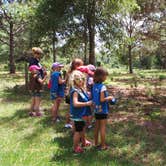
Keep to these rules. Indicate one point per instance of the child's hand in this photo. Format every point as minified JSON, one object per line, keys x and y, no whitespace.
{"x":109,"y":98}
{"x":89,"y":103}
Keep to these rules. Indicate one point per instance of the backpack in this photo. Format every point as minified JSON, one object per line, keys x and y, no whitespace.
{"x":33,"y":82}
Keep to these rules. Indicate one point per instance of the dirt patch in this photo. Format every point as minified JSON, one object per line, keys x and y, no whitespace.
{"x":136,"y":105}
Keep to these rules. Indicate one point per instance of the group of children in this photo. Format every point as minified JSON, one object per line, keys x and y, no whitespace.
{"x":85,"y":93}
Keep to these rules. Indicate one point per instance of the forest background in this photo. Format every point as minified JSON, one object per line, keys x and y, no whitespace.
{"x":127,"y":37}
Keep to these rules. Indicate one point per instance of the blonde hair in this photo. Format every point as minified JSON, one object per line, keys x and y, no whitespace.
{"x":37,"y":50}
{"x":73,"y":77}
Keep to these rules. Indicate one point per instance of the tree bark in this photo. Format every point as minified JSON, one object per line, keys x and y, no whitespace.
{"x":91,"y":28}
{"x":85,"y":44}
{"x":130,"y":60}
{"x":53,"y":46}
{"x":11,"y":54}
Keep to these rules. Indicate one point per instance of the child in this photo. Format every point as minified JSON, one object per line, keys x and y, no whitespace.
{"x":100,"y":103}
{"x":35,"y":60}
{"x":78,"y":105}
{"x":74,"y":65}
{"x":89,"y":72}
{"x":56,"y":90}
{"x":35,"y":85}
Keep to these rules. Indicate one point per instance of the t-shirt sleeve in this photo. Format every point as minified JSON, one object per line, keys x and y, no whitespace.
{"x":38,"y":76}
{"x":103,"y":88}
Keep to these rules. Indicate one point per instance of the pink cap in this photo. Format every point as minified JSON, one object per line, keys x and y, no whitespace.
{"x":57,"y":64}
{"x":34,"y":67}
{"x":85,"y":69}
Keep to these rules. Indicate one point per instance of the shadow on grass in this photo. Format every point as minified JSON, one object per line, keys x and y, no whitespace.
{"x":19,"y":94}
{"x":138,"y":143}
{"x":19,"y":114}
{"x":91,"y":156}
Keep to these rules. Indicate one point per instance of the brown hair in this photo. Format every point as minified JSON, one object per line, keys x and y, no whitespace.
{"x":99,"y":75}
{"x":76,"y":63}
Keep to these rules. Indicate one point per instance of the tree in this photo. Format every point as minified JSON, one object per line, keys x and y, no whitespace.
{"x":12,"y":24}
{"x":70,"y":17}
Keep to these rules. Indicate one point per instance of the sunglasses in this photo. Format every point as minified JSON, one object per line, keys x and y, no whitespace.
{"x":80,"y":79}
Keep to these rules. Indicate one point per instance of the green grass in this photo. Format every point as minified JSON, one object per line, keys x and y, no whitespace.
{"x":26,"y":141}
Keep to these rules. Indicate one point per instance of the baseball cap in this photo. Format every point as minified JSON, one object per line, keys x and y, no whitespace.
{"x":91,"y":67}
{"x":57,"y":64}
{"x":34,"y":67}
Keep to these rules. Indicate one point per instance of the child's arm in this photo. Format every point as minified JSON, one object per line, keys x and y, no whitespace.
{"x":42,"y":80}
{"x":103,"y":98}
{"x":61,"y":81}
{"x":102,"y":95}
{"x":77,"y":103}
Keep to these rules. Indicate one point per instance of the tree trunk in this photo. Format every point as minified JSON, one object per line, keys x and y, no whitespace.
{"x":53,"y":46}
{"x":91,"y":28}
{"x":130,"y":60}
{"x":26,"y":75}
{"x":85,"y":44}
{"x":11,"y":54}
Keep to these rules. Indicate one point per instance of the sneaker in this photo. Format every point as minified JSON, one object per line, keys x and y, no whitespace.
{"x":39,"y":114}
{"x":78,"y":149}
{"x":106,"y":147}
{"x":57,"y":120}
{"x":68,"y":125}
{"x":31,"y":113}
{"x":90,"y":126}
{"x":87,"y":143}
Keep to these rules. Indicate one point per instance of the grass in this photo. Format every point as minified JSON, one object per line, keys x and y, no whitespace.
{"x":135,"y":139}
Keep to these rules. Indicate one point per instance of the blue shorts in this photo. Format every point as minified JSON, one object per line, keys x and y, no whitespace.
{"x":54,"y":95}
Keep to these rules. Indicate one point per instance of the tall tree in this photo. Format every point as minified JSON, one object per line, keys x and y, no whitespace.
{"x":12,"y":24}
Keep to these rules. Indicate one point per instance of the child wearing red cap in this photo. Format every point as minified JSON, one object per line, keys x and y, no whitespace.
{"x":35,"y":86}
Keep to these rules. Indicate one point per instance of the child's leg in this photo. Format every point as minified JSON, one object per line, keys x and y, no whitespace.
{"x":82,"y":135}
{"x":97,"y":125}
{"x":55,"y":107}
{"x":103,"y":132}
{"x":37,"y":103}
{"x":78,"y":133}
{"x":90,"y":121}
{"x":76,"y":139}
{"x":58,"y":101}
{"x":68,"y":118}
{"x":53,"y":111}
{"x":68,"y":121}
{"x":32,"y":104}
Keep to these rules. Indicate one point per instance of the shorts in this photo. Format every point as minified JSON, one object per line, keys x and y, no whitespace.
{"x":36,"y":94}
{"x":101,"y":116}
{"x":67,"y":99}
{"x":79,"y":125}
{"x":54,"y":95}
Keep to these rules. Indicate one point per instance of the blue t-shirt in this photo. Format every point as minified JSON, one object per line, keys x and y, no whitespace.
{"x":99,"y":107}
{"x":78,"y":112}
{"x":55,"y":86}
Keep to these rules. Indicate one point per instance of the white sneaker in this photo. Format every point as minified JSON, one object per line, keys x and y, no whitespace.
{"x":57,"y":120}
{"x":68,"y":125}
{"x":90,"y":126}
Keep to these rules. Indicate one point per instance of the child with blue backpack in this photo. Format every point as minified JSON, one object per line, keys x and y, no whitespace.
{"x":101,"y":101}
